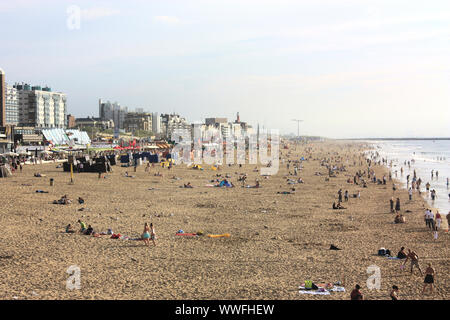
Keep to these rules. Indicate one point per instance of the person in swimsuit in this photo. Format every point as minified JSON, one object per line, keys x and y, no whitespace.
{"x":414,"y":260}
{"x":152,"y":234}
{"x":429,"y":278}
{"x":146,"y":234}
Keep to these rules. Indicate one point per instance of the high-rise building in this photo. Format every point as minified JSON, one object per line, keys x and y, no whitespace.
{"x":173,"y":123}
{"x":41,"y":107}
{"x":71,"y":121}
{"x":156,"y":123}
{"x":214,"y":121}
{"x":135,"y":121}
{"x":112,"y":111}
{"x":2,"y":99}
{"x":12,"y":106}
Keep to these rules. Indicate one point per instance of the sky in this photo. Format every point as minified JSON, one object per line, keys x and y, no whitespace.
{"x":347,"y":68}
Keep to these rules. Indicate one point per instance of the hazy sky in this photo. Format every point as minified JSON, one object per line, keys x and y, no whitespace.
{"x":349,"y":68}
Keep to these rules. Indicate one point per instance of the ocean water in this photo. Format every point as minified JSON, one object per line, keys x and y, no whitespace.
{"x":427,"y":155}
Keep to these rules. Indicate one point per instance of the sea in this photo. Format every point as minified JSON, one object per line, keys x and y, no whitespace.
{"x":427,"y":155}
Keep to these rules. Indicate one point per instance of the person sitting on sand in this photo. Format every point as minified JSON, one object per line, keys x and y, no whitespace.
{"x":401,"y":254}
{"x":337,"y":206}
{"x":69,"y":229}
{"x":356,"y":293}
{"x":158,"y":174}
{"x":399,"y":218}
{"x":83,"y":226}
{"x":80,"y":200}
{"x":89,"y":231}
{"x":394,"y":293}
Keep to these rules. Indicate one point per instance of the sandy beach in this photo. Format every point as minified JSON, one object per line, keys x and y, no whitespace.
{"x":277,"y":240}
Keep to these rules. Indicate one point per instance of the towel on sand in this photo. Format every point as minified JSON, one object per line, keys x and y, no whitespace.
{"x":302,"y":290}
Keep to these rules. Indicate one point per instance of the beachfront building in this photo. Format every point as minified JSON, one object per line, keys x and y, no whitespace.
{"x":138,"y":121}
{"x":156,"y":123}
{"x":11,"y":106}
{"x":173,"y":123}
{"x":91,"y":122}
{"x":2,"y":99}
{"x":112,"y":111}
{"x":228,"y":130}
{"x":71,"y":121}
{"x":41,"y":107}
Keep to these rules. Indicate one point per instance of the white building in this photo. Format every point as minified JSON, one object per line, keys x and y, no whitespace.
{"x":156,"y":123}
{"x":12,"y":105}
{"x":172,"y":123}
{"x":40,"y":107}
{"x":112,"y":111}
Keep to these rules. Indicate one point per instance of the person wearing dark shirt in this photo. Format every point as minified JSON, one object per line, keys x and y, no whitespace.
{"x":394,"y":293}
{"x":401,"y":254}
{"x":356,"y":294}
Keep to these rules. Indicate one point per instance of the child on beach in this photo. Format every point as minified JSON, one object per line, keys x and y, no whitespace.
{"x":152,"y":234}
{"x":146,"y":234}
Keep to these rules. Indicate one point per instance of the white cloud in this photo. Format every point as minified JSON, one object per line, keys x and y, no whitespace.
{"x":167,"y":19}
{"x":97,"y":13}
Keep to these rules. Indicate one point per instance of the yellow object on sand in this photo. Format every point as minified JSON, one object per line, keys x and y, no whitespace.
{"x":213,"y":168}
{"x":224,"y":235}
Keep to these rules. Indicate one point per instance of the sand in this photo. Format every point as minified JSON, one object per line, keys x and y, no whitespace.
{"x":277,"y":241}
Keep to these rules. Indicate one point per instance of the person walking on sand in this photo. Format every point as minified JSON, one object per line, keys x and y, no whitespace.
{"x":429,"y":278}
{"x":414,"y":260}
{"x":146,"y":235}
{"x":410,"y":193}
{"x":435,"y":232}
{"x":391,"y":204}
{"x":397,"y":205}
{"x":438,"y":219}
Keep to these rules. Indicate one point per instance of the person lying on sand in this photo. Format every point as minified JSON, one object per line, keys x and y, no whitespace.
{"x":39,"y":175}
{"x":63,"y":200}
{"x":158,"y":174}
{"x":127,"y":175}
{"x":188,"y":185}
